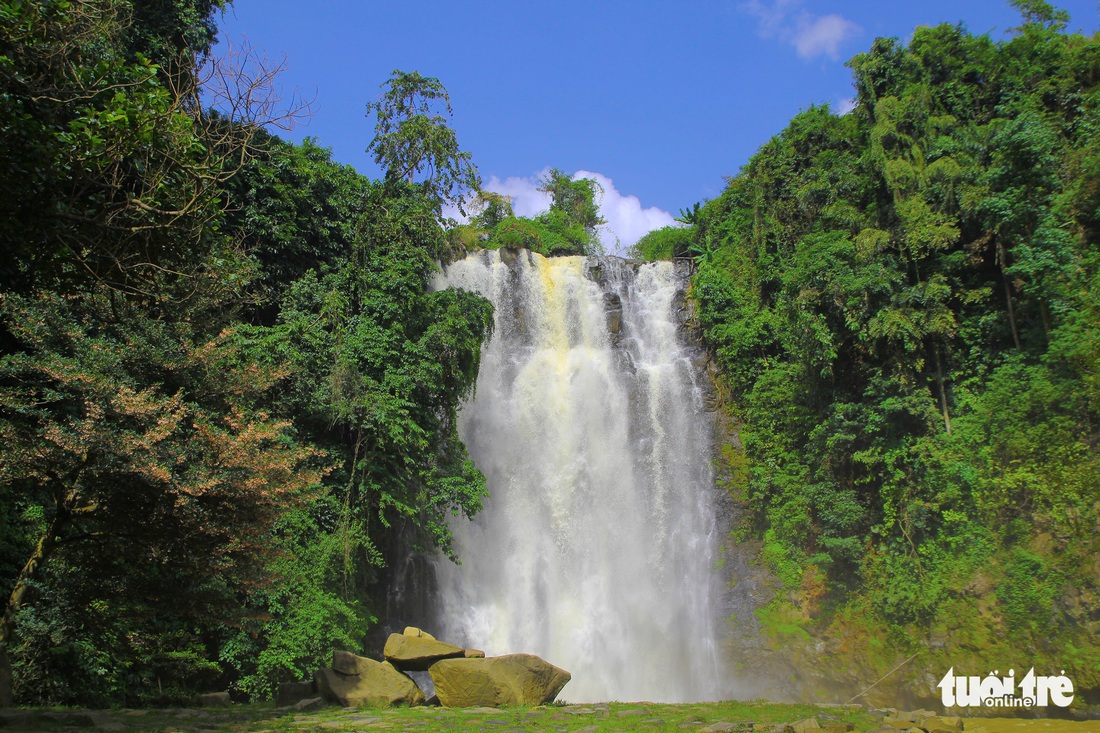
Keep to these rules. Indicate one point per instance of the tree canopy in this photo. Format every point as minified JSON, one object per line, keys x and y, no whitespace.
{"x":414,"y":142}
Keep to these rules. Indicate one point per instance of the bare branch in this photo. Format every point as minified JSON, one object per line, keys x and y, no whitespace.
{"x":241,"y":85}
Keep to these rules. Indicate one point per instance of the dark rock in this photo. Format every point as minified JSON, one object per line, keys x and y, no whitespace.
{"x":508,"y":255}
{"x":291,"y":693}
{"x":74,"y":718}
{"x":17,"y":718}
{"x":344,"y":662}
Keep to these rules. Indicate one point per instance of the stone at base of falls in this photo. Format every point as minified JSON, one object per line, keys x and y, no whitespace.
{"x":417,"y":653}
{"x":374,"y":684}
{"x":418,"y":633}
{"x":513,"y":679}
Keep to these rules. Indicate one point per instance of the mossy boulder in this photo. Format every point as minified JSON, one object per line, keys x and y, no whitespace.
{"x":371,"y":684}
{"x":513,"y":679}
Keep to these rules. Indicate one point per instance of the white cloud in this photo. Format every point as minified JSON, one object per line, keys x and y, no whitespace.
{"x":811,"y":35}
{"x":527,"y":199}
{"x":845,"y":105}
{"x":627,"y":220}
{"x":822,"y":35}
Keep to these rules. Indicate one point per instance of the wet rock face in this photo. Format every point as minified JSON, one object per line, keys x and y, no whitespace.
{"x":613,"y":306}
{"x":513,"y":679}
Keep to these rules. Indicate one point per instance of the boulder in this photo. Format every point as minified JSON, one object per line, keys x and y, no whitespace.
{"x":373,"y":684}
{"x":417,"y":653}
{"x":513,"y":679}
{"x":836,"y":726}
{"x":474,"y":654}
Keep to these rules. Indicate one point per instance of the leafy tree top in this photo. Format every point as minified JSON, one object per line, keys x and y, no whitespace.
{"x":413,"y":140}
{"x":1041,"y":13}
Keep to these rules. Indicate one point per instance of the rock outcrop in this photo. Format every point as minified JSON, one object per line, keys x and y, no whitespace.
{"x":513,"y":679}
{"x":355,"y":681}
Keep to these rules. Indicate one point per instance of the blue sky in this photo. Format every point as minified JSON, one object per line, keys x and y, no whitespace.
{"x":661,"y":98}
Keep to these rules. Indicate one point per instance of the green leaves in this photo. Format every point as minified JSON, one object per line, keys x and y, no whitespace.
{"x":903,"y":303}
{"x":413,"y":142}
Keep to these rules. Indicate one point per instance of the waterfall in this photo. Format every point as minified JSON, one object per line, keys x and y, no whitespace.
{"x":596,"y":547}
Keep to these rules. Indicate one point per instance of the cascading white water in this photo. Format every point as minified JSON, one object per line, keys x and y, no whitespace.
{"x":597,"y":544}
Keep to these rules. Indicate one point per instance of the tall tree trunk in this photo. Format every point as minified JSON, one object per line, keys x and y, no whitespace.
{"x":42,"y":552}
{"x":943,"y":391}
{"x":1002,"y":256}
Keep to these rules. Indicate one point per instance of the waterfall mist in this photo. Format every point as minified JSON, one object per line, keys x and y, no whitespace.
{"x":597,"y":545}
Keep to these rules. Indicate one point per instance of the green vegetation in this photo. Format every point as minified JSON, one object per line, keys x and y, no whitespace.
{"x":569,"y":227}
{"x":227,"y":393}
{"x":903,"y":303}
{"x":412,"y":138}
{"x":558,"y":717}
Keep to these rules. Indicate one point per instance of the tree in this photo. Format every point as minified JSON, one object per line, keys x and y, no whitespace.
{"x":187,"y":480}
{"x":412,"y":138}
{"x":114,"y":170}
{"x":902,"y":302}
{"x":1041,"y":13}
{"x":492,"y":208}
{"x":575,"y":200}
{"x":126,"y":453}
{"x":574,"y":213}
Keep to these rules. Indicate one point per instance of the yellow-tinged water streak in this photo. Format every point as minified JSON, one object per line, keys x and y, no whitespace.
{"x":596,"y":545}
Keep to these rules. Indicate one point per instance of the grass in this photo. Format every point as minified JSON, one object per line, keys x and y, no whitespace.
{"x":558,"y":718}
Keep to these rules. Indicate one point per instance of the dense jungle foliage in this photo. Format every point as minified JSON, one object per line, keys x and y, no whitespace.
{"x":905,"y":306}
{"x":227,"y":390}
